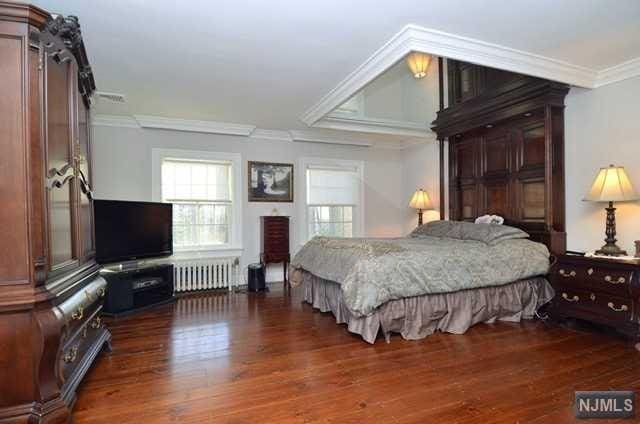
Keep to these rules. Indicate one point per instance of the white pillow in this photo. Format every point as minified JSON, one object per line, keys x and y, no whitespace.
{"x":490,"y":219}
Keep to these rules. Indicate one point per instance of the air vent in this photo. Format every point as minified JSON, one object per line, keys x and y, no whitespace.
{"x":111,"y":97}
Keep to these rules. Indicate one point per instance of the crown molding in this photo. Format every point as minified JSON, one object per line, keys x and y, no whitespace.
{"x":438,"y":43}
{"x":623,"y":71}
{"x":141,"y":121}
{"x":276,"y":135}
{"x":114,"y":121}
{"x":310,"y":137}
{"x":374,"y":125}
{"x":212,"y":127}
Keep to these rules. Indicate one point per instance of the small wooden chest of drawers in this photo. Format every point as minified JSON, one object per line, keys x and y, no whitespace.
{"x":597,"y":290}
{"x":274,"y":236}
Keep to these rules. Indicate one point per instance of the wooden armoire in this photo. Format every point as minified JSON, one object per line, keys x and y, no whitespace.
{"x":50,"y":290}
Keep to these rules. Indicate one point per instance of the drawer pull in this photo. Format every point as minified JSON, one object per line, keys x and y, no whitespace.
{"x":590,"y":271}
{"x":77,"y":315}
{"x":592,"y":297}
{"x":620,"y":280}
{"x":570,"y":299}
{"x":71,"y":355}
{"x":97,"y":323}
{"x":567,"y":274}
{"x":622,"y":308}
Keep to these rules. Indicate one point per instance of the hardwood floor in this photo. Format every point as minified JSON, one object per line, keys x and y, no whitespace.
{"x":266,"y":357}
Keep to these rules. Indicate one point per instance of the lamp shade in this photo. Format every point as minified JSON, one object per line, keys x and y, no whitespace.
{"x":420,"y":200}
{"x":611,"y":185}
{"x":418,"y":64}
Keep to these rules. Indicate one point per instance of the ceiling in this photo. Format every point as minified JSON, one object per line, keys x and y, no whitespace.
{"x":264,"y":63}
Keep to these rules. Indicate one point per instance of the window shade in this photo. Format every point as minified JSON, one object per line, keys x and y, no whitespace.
{"x":184,"y":180}
{"x":327,"y":186}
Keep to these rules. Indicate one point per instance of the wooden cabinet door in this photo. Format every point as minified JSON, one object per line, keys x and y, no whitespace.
{"x":85,"y":183}
{"x":60,"y":166}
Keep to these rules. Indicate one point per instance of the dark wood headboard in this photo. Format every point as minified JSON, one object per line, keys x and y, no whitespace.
{"x":506,"y":156}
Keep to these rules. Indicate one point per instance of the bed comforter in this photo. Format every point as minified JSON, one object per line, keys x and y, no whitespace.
{"x":374,"y":271}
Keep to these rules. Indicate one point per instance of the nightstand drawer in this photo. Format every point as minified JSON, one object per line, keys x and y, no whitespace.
{"x":594,"y":305}
{"x":599,"y":278}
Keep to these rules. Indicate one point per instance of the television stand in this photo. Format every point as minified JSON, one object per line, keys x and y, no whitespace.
{"x":137,"y":289}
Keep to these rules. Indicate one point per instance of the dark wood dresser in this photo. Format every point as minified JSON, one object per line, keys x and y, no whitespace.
{"x":51,"y":294}
{"x":598,"y":290}
{"x":274,"y":241}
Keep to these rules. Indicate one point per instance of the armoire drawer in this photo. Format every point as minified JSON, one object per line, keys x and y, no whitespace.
{"x":82,"y":306}
{"x":76,"y":348}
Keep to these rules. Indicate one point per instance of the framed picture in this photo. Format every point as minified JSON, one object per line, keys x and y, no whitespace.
{"x":270,"y":182}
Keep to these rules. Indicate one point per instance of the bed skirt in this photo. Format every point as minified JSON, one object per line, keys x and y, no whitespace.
{"x":417,"y":317}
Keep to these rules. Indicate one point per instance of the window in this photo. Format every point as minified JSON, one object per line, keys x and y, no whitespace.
{"x":333,"y":198}
{"x":201,"y":195}
{"x":201,"y":187}
{"x":333,"y":221}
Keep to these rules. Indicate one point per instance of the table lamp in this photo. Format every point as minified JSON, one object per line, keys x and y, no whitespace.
{"x":420,"y":201}
{"x":611,"y":185}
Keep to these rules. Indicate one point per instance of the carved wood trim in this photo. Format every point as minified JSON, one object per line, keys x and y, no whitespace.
{"x":62,"y":39}
{"x":85,"y":187}
{"x":59,"y":183}
{"x":61,"y":172}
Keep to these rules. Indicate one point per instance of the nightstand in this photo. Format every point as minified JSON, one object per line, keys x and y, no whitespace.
{"x":603,"y":291}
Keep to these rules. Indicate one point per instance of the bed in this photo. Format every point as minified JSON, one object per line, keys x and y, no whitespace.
{"x":445,"y":276}
{"x":501,"y":152}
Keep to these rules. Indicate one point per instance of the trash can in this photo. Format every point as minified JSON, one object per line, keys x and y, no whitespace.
{"x":256,"y":278}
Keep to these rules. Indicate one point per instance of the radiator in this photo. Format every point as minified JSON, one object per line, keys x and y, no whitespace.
{"x":205,"y":274}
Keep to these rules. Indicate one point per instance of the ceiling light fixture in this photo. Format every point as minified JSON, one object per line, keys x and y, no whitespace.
{"x":418,"y":63}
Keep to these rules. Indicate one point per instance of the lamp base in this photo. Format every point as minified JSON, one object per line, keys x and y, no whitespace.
{"x":611,"y":248}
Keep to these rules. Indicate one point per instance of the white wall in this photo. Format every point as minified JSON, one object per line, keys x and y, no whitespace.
{"x":602,"y":127}
{"x":421,"y":165}
{"x":122,"y":170}
{"x":421,"y":169}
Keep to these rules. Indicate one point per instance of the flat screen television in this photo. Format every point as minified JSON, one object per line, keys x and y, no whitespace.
{"x":127,"y":231}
